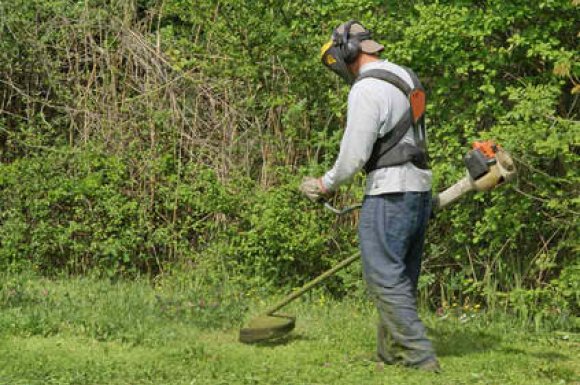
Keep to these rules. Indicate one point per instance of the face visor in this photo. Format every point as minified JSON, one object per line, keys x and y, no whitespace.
{"x":331,"y":57}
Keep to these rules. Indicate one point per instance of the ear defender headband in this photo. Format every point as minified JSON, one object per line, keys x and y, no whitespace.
{"x":350,"y":46}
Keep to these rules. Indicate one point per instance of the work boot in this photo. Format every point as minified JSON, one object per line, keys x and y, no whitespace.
{"x":430,"y":365}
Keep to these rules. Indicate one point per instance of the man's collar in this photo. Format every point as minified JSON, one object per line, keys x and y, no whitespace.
{"x":371,"y":65}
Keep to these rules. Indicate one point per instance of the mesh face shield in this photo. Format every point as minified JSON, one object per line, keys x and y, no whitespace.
{"x":332,"y":58}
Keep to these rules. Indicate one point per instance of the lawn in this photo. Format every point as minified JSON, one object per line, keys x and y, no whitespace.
{"x":87,"y":331}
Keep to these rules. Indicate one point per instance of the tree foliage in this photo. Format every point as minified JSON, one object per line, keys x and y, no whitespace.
{"x":135,"y":134}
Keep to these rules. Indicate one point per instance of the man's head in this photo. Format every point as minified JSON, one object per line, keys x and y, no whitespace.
{"x":342,"y":54}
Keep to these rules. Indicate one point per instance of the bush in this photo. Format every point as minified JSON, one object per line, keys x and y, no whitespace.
{"x":78,"y":210}
{"x":170,"y":132}
{"x":284,"y":239}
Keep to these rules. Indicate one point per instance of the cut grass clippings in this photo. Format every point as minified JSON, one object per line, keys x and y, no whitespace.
{"x":84,"y":331}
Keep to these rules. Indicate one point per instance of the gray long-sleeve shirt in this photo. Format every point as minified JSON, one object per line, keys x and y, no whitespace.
{"x":374,"y":107}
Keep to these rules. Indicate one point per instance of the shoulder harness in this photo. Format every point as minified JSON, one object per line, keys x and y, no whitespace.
{"x":388,"y":150}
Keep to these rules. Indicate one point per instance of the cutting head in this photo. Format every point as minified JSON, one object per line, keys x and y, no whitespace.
{"x":267,"y":327}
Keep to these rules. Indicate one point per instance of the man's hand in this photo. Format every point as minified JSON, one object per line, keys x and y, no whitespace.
{"x":314,"y":189}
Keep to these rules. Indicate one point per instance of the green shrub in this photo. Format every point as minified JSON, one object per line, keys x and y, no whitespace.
{"x":78,"y":210}
{"x":171,"y":133}
{"x":67,"y":209}
{"x":284,"y":239}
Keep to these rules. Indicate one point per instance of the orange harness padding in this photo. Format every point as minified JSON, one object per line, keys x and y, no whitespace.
{"x":417,"y":101}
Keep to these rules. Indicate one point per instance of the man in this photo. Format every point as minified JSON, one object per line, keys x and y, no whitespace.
{"x":385,"y":136}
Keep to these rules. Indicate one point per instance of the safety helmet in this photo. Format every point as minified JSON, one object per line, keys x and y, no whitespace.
{"x":348,"y":40}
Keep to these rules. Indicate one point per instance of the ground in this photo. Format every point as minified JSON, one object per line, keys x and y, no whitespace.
{"x":94,"y":332}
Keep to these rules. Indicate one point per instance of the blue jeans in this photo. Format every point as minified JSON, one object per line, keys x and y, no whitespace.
{"x":392,"y":234}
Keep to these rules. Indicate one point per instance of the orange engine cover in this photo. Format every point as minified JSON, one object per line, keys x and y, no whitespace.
{"x":487,"y":147}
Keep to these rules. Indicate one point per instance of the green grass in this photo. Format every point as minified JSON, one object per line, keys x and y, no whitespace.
{"x":84,"y":331}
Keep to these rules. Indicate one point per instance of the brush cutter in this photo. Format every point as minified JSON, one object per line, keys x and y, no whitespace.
{"x":488,"y":166}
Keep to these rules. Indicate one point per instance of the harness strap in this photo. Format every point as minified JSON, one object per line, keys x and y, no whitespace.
{"x":388,"y":143}
{"x":419,"y":126}
{"x":389,"y":77}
